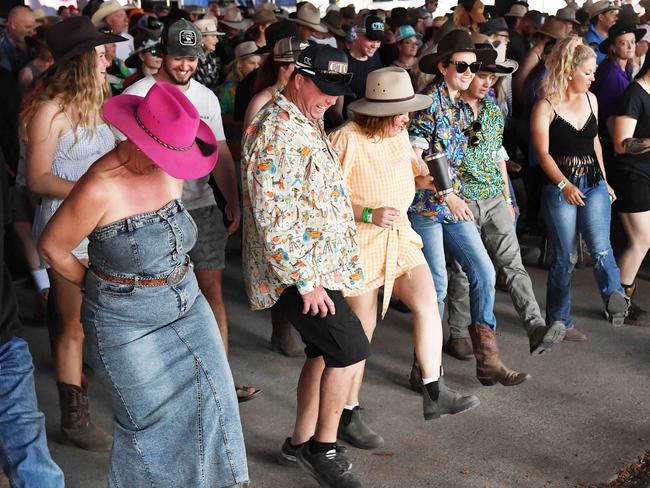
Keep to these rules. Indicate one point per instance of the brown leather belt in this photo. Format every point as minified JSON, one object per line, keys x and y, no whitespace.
{"x":173,"y":278}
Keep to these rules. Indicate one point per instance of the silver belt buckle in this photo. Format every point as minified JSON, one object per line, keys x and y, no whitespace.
{"x":178,"y":274}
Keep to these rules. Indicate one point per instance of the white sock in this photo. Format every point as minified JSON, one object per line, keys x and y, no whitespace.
{"x":426,"y":381}
{"x":41,"y":279}
{"x":351,"y":407}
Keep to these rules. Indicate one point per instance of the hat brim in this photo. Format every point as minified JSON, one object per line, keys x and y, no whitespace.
{"x":556,"y":36}
{"x":185,"y":165}
{"x":507,"y":67}
{"x":322,"y":28}
{"x":429,"y":63}
{"x":89,"y":45}
{"x":334,"y":30}
{"x":99,"y":16}
{"x":213,"y":32}
{"x":387,"y":109}
{"x":603,"y":47}
{"x":332,"y":88}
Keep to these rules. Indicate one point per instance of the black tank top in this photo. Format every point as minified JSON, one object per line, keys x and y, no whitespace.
{"x":573,"y":149}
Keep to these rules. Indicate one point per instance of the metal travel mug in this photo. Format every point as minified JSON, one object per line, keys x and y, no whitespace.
{"x":439,"y":169}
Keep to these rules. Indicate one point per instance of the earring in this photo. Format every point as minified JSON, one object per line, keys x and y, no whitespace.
{"x":570,"y":78}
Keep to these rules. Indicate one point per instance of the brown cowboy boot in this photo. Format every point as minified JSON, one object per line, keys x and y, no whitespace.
{"x":76,"y":426}
{"x":489,"y":367}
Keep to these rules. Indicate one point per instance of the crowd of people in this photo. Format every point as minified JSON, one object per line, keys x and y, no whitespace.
{"x":405,"y":150}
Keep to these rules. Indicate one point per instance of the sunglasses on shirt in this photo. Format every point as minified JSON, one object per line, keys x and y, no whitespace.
{"x":472,"y":133}
{"x":461,"y":66}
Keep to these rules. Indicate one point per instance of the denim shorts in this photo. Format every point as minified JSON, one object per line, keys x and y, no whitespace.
{"x":209,"y":252}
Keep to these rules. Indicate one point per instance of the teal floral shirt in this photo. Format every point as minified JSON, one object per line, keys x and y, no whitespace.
{"x":298,"y":226}
{"x":479,"y":172}
{"x":442,"y":126}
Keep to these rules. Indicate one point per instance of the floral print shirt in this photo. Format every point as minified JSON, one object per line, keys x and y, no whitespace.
{"x":443,"y":125}
{"x":298,"y":221}
{"x":480,"y":174}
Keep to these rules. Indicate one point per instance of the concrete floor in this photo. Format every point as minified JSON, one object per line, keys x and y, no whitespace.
{"x":584,"y":414}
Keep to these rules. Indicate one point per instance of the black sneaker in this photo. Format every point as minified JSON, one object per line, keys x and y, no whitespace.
{"x":288,"y":454}
{"x":331,"y":469}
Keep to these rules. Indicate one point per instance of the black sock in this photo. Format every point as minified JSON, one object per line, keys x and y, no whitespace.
{"x":297,"y":446}
{"x":316,"y":447}
{"x":432,"y":389}
{"x":346,"y":416}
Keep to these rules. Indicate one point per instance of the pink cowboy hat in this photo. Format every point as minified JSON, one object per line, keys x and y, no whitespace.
{"x":167,"y":128}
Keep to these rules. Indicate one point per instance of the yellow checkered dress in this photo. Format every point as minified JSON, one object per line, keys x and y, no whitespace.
{"x":380,"y":173}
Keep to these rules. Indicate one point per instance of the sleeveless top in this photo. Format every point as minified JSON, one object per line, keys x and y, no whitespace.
{"x":75,"y":151}
{"x":146,"y":245}
{"x":573,"y":149}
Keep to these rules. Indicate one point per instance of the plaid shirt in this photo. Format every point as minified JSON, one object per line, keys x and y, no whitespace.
{"x":442,"y":126}
{"x":208,"y":71}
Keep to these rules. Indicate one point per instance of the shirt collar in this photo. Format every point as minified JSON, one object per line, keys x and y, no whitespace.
{"x":285,"y":104}
{"x":444,"y":92}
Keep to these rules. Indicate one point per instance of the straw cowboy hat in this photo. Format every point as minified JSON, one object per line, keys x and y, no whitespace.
{"x":75,"y":35}
{"x":389,"y":91}
{"x":600,"y":8}
{"x":309,"y":16}
{"x":456,"y":41}
{"x":167,"y":128}
{"x":107,"y":8}
{"x":208,"y":26}
{"x":232,"y":17}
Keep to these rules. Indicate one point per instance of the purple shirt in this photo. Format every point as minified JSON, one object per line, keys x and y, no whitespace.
{"x":611,"y":81}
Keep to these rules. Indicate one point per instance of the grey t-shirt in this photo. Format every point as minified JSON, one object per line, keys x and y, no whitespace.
{"x":196,"y":193}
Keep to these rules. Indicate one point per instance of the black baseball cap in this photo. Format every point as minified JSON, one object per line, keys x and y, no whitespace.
{"x":372,"y":27}
{"x":327,"y":67}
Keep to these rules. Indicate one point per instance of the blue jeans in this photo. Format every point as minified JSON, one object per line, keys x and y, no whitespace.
{"x":463,"y":242}
{"x":563,"y":222}
{"x":434,"y":252}
{"x":23,"y":447}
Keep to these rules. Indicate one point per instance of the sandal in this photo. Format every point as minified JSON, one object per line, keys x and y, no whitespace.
{"x":244,"y":394}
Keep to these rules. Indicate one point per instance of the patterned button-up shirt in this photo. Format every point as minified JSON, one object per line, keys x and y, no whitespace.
{"x":442,"y":125}
{"x":480,"y":174}
{"x":298,"y":221}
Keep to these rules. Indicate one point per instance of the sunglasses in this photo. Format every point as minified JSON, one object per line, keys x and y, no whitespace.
{"x":155,"y":51}
{"x":461,"y":66}
{"x":473,"y":133}
{"x":334,"y":76}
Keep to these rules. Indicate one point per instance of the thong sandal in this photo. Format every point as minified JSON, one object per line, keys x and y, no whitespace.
{"x":247,"y":396}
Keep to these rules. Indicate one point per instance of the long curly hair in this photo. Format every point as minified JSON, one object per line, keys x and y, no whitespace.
{"x":566,"y":56}
{"x":74,"y":86}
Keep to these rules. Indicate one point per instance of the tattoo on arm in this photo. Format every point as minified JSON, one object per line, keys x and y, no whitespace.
{"x":635,"y":145}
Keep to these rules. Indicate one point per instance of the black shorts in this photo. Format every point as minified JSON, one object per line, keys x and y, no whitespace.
{"x":632,"y":191}
{"x":339,"y":338}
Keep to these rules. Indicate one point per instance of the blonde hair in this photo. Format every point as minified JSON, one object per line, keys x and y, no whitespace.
{"x":566,"y":56}
{"x":74,"y":86}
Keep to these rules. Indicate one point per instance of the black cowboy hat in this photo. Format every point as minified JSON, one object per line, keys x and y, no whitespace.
{"x":454,"y":42}
{"x":76,"y":35}
{"x":619,"y":29}
{"x":487,"y":55}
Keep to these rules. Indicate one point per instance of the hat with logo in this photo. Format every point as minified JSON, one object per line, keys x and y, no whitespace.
{"x":389,"y":91}
{"x":372,"y":27}
{"x":182,"y":39}
{"x":208,"y":26}
{"x":327,"y":67}
{"x":167,"y":128}
{"x":617,"y":30}
{"x":309,"y":16}
{"x":600,"y":8}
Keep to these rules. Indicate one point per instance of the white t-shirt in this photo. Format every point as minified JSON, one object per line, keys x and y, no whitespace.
{"x":124,"y":49}
{"x":196,"y":193}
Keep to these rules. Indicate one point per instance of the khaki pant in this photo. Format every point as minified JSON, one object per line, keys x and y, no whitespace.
{"x":494,"y":222}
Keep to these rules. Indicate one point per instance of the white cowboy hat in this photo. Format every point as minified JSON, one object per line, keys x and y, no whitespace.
{"x":389,"y":91}
{"x":107,"y":8}
{"x":208,"y":26}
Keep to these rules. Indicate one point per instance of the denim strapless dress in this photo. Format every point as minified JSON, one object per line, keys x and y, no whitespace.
{"x":159,"y":353}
